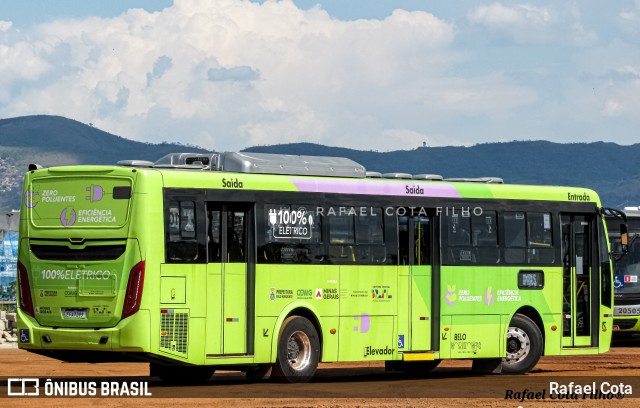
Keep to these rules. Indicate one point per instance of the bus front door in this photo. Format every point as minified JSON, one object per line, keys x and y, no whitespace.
{"x":580,"y":281}
{"x":230,"y":249}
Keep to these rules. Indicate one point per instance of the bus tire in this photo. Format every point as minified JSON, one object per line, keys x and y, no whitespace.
{"x":524,"y":346}
{"x":298,"y":351}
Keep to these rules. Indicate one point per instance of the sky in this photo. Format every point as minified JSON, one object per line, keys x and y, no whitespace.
{"x":369,"y":75}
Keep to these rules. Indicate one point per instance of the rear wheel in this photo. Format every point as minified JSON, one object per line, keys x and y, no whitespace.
{"x":298,"y":351}
{"x":524,"y":346}
{"x":181,"y":374}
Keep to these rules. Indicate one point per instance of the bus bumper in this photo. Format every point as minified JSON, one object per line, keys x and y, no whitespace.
{"x":129,"y":335}
{"x":626,"y":324}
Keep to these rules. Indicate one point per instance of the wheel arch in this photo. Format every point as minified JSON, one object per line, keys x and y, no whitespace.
{"x":296,"y":309}
{"x":533,"y":314}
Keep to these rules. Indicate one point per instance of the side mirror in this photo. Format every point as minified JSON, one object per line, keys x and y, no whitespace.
{"x":624,"y":238}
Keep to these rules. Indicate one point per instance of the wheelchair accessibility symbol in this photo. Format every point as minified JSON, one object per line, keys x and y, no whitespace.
{"x":24,"y":336}
{"x":617,"y":283}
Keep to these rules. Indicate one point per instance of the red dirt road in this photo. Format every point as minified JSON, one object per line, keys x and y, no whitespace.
{"x":452,"y":384}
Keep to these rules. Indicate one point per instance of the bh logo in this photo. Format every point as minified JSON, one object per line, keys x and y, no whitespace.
{"x":450,"y":295}
{"x":365,"y":323}
{"x":31,"y":198}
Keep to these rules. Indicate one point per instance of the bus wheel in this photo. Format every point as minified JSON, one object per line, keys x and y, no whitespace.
{"x":298,"y":351}
{"x":524,"y":346}
{"x":181,"y":374}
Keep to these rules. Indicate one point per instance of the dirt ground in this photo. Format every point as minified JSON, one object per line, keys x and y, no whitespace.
{"x":452,"y":384}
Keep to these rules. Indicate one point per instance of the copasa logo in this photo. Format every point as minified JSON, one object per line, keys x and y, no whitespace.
{"x":450,"y":295}
{"x":489,"y":296}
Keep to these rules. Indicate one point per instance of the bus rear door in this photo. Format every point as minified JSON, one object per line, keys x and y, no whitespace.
{"x":229,"y":282}
{"x":415,"y":252}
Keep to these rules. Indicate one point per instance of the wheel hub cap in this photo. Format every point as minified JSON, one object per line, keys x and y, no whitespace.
{"x":518,"y":345}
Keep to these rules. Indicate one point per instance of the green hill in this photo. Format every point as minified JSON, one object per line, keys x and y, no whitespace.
{"x":58,"y":141}
{"x":608,"y":168}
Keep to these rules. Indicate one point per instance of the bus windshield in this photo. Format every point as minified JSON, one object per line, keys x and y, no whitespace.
{"x":627,"y":269}
{"x":73,"y":202}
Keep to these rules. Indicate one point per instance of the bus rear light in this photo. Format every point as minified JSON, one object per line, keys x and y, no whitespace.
{"x":24,"y":290}
{"x":133,"y":296}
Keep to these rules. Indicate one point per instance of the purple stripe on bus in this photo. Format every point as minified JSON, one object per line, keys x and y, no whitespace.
{"x":375,"y":188}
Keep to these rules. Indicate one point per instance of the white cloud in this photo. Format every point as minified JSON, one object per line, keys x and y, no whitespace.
{"x":227,"y":74}
{"x":533,"y":25}
{"x":610,"y":76}
{"x":629,"y":18}
{"x":499,"y":15}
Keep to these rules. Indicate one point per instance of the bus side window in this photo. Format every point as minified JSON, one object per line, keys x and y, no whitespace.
{"x":236,"y":236}
{"x":458,"y":239}
{"x":528,"y":238}
{"x":422,"y":240}
{"x":514,"y":237}
{"x":342,"y":236}
{"x":214,"y":232}
{"x":292,"y":234}
{"x":485,"y":237}
{"x":458,"y":230}
{"x":183,"y":243}
{"x":403,"y":240}
{"x":539,"y":238}
{"x":369,"y":224}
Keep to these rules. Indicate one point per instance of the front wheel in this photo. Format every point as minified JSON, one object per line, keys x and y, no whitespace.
{"x":524,"y":345}
{"x":298,"y":350}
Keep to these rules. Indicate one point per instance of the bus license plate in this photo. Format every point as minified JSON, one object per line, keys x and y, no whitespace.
{"x":626,"y":310}
{"x":75,"y":314}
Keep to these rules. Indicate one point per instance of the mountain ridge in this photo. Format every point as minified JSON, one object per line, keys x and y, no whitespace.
{"x":606,"y":167}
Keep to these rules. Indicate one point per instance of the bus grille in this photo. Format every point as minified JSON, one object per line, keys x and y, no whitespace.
{"x":625,"y":324}
{"x":174,"y":331}
{"x":88,"y":253}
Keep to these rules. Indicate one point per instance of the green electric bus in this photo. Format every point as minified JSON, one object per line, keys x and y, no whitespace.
{"x":274,"y":263}
{"x":626,"y":311}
